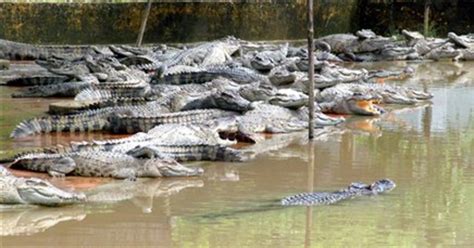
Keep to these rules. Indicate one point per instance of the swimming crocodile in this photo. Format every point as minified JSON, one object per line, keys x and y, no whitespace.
{"x":17,"y":190}
{"x":102,"y":164}
{"x":327,"y":198}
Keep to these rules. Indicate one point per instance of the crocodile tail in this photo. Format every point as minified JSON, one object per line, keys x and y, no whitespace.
{"x":37,"y":80}
{"x":90,"y":94}
{"x":72,"y":123}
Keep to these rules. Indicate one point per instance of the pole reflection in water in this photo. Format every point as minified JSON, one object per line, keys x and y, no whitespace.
{"x":309,"y":209}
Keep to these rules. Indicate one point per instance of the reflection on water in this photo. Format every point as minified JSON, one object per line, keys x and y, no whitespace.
{"x":427,"y":150}
{"x":28,"y":220}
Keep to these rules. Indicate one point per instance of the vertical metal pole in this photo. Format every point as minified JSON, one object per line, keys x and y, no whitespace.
{"x":427,"y":17}
{"x":310,"y":69}
{"x":309,"y":188}
{"x":143,"y":25}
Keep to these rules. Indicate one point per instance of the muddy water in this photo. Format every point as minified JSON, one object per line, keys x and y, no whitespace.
{"x":427,"y":150}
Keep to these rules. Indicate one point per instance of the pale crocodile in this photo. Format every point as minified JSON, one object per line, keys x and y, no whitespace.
{"x":17,"y":190}
{"x":102,"y":164}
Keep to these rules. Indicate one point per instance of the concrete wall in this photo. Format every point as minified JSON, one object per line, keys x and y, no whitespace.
{"x":169,"y":22}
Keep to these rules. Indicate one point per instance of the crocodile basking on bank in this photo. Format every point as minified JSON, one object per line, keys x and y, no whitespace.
{"x":102,"y":164}
{"x":327,"y":198}
{"x":17,"y":190}
{"x":21,"y":51}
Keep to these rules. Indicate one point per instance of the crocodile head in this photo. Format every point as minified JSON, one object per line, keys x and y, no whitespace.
{"x":363,"y":104}
{"x":383,"y":185}
{"x":289,"y":98}
{"x":40,"y":192}
{"x":230,"y":100}
{"x":168,"y":168}
{"x":257,"y":91}
{"x":262,"y":62}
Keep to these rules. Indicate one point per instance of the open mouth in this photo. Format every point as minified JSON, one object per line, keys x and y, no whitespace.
{"x":369,"y":107}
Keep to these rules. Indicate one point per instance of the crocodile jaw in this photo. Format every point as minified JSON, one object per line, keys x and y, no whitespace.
{"x":40,"y":192}
{"x":365,"y":107}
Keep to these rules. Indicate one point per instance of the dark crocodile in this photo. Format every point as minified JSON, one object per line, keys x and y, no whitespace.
{"x":22,"y":51}
{"x":34,"y":80}
{"x":348,"y":43}
{"x":134,"y":124}
{"x":95,"y":120}
{"x":327,"y":198}
{"x":102,"y":164}
{"x":239,"y":75}
{"x":17,"y":190}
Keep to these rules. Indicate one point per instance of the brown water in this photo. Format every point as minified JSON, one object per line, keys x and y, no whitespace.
{"x":427,"y":150}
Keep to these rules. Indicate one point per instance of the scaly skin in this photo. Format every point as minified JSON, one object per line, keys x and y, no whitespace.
{"x":352,"y":104}
{"x":103,"y":164}
{"x":92,"y":120}
{"x":348,"y":43}
{"x":15,"y":190}
{"x":266,"y":118}
{"x":239,"y":75}
{"x":388,"y":94}
{"x":36,"y":80}
{"x":21,"y":51}
{"x":266,"y":60}
{"x":131,"y":124}
{"x":327,"y":198}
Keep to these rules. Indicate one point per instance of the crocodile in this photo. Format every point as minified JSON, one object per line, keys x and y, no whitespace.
{"x":169,"y":135}
{"x":280,"y":75}
{"x":102,"y":164}
{"x":266,"y":60}
{"x":178,"y":141}
{"x":224,"y":99}
{"x":289,"y":98}
{"x":266,"y":118}
{"x":17,"y":190}
{"x":239,"y":75}
{"x":388,"y":94}
{"x":98,"y":93}
{"x":134,"y":124}
{"x":101,"y":119}
{"x":348,"y":102}
{"x":141,"y":193}
{"x":326,"y":198}
{"x":348,"y":43}
{"x":41,"y":79}
{"x":463,"y":41}
{"x":22,"y":51}
{"x":211,"y":53}
{"x":330,"y":75}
